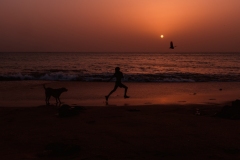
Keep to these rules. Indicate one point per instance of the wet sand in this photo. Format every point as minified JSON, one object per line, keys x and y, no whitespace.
{"x":31,"y":93}
{"x":177,"y":129}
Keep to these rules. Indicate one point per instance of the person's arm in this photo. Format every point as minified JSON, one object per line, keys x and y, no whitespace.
{"x":111,"y":78}
{"x":122,"y":75}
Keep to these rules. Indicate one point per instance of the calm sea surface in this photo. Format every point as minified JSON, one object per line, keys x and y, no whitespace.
{"x":136,"y":67}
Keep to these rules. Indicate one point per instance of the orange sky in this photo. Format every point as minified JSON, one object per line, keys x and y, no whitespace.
{"x":119,"y":26}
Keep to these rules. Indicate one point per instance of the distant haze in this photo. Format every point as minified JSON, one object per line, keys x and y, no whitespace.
{"x":119,"y":25}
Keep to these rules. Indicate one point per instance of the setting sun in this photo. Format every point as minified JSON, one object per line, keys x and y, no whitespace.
{"x":162,"y":36}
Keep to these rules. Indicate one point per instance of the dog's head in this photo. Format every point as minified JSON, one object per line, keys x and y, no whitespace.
{"x":64,"y":89}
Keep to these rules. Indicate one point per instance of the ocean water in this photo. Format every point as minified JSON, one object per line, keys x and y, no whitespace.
{"x":136,"y":67}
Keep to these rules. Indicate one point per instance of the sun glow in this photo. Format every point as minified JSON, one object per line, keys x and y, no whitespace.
{"x":162,"y":36}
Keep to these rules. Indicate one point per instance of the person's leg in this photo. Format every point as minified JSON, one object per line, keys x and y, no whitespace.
{"x":125,"y":92}
{"x":114,"y":89}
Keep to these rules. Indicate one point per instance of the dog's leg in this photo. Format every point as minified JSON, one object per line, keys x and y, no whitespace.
{"x":56,"y":100}
{"x":59,"y":100}
{"x":47,"y":101}
{"x":48,"y":98}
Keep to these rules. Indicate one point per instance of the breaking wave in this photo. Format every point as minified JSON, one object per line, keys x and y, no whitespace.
{"x":161,"y":77}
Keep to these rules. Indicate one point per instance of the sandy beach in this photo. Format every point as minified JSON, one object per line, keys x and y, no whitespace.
{"x":153,"y":128}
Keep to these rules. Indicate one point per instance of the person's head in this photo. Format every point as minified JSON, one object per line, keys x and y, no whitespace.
{"x":117,"y":69}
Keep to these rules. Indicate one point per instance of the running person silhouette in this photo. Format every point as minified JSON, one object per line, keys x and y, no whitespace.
{"x":119,"y":75}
